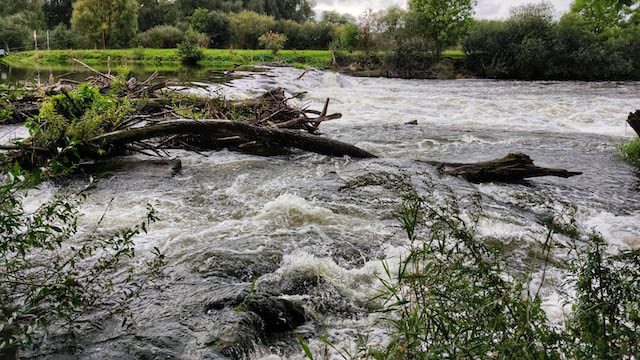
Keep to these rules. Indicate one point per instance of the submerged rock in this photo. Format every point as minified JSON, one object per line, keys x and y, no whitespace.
{"x":236,"y":335}
{"x":277,"y":314}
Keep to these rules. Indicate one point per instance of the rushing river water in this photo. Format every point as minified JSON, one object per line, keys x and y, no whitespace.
{"x":230,"y":220}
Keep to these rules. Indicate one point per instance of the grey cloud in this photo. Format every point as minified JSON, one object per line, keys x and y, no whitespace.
{"x":485,"y":9}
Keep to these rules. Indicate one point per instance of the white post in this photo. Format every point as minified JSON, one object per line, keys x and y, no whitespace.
{"x":48,"y":48}
{"x":35,"y":40}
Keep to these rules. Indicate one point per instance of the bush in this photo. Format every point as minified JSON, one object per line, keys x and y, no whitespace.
{"x":83,"y":114}
{"x":62,"y":37}
{"x":348,"y":37}
{"x":163,"y":36}
{"x":189,"y":50}
{"x":247,"y":27}
{"x":452,"y":296}
{"x":272,"y":41}
{"x":531,"y":45}
{"x":47,"y":280}
{"x":631,"y":151}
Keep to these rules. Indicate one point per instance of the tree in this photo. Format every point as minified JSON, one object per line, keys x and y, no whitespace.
{"x":110,"y":23}
{"x":366,"y":25}
{"x":446,"y":21}
{"x":213,"y":23}
{"x":297,"y":10}
{"x":154,"y":13}
{"x":335,"y":17}
{"x":247,"y":27}
{"x":57,"y":12}
{"x":603,"y":14}
{"x":348,"y":37}
{"x":18,"y":20}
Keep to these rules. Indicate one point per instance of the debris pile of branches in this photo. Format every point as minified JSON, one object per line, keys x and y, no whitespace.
{"x":109,"y":115}
{"x":18,"y":103}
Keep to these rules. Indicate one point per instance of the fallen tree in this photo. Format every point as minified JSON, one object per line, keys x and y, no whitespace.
{"x":513,"y":168}
{"x":227,"y":130}
{"x":110,"y":116}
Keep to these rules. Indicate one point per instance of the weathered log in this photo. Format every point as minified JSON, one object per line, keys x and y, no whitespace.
{"x":218,"y":129}
{"x":512,"y":168}
{"x":634,"y":121}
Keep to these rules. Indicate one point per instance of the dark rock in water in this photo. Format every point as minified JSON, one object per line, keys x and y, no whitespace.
{"x":412,"y":122}
{"x":296,"y":284}
{"x":278,"y":314}
{"x":228,"y":298}
{"x":235,"y":335}
{"x":321,"y":297}
{"x":243,"y":267}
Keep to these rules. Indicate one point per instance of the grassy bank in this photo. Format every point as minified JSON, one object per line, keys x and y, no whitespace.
{"x":217,"y":58}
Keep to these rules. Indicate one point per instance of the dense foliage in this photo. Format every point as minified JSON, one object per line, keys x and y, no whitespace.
{"x":454,"y":295}
{"x":595,"y":40}
{"x":51,"y":273}
{"x":532,"y":45}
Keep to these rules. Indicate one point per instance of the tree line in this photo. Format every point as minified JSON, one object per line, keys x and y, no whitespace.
{"x":596,"y":39}
{"x":162,"y":23}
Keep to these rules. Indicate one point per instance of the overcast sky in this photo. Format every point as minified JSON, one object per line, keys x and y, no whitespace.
{"x":485,"y":9}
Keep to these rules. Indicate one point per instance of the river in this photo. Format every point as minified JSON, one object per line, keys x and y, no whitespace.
{"x":230,"y":221}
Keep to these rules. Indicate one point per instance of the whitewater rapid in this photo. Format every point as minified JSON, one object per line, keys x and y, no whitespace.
{"x":230,"y":219}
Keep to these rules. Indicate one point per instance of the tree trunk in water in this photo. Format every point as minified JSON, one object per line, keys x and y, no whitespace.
{"x":221,"y":129}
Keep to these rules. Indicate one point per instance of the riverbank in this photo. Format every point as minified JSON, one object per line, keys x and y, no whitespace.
{"x":217,"y":58}
{"x":356,"y":63}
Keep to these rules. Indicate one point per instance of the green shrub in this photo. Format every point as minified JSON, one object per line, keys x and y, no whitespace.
{"x":76,"y":117}
{"x":247,"y":27}
{"x":272,"y":41}
{"x":50,"y":274}
{"x":163,"y":36}
{"x":189,"y":50}
{"x":453,"y":296}
{"x":631,"y":151}
{"x":606,"y":313}
{"x":348,"y":37}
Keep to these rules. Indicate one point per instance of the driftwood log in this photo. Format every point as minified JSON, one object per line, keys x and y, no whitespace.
{"x":634,"y":121}
{"x":512,"y":168}
{"x":226,"y":129}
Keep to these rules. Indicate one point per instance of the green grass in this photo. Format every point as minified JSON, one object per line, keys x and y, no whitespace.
{"x":631,"y":151}
{"x":454,"y":53}
{"x":213,"y":58}
{"x":217,"y":58}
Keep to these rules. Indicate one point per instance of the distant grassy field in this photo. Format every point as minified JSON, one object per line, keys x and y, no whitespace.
{"x":216,"y":58}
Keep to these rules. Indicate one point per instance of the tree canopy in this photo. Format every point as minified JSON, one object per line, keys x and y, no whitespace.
{"x":446,"y":21}
{"x":110,"y":23}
